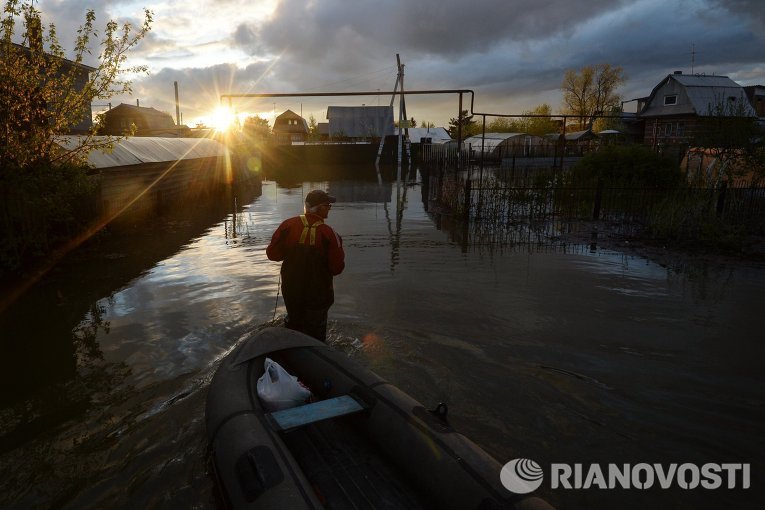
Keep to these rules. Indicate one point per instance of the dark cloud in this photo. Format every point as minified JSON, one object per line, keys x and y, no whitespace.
{"x":513,"y":53}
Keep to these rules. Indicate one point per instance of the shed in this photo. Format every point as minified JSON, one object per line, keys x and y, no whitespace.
{"x":360,"y":121}
{"x":146,"y":173}
{"x":140,"y":150}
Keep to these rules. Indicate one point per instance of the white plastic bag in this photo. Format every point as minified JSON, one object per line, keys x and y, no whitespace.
{"x":277,"y":389}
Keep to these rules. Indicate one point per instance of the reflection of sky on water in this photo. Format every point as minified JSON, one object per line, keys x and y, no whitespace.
{"x":555,"y":352}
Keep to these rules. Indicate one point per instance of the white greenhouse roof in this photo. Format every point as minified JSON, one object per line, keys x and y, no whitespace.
{"x":491,"y":140}
{"x":139,"y":149}
{"x":436,"y":134}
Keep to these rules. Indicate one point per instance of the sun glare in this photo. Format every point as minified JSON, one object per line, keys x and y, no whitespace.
{"x":222,"y":119}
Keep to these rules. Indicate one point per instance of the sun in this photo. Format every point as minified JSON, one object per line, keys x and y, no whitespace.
{"x":222,"y":118}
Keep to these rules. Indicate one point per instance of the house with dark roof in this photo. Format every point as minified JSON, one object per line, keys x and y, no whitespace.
{"x":290,"y":127}
{"x":677,"y":105}
{"x":148,"y":122}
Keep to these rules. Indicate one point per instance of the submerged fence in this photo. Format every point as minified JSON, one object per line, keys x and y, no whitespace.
{"x":496,"y":198}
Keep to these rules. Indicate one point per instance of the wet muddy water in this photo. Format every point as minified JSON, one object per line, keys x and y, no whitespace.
{"x":553,"y":352}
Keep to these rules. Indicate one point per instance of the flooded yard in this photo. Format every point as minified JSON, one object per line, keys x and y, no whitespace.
{"x":552,"y":351}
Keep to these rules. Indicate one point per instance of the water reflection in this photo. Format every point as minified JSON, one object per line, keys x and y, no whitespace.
{"x":542,"y":346}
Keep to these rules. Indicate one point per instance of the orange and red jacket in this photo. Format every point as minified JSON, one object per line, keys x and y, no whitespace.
{"x":312,"y":253}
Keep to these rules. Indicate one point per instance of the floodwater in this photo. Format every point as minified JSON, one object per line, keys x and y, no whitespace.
{"x":555,"y":352}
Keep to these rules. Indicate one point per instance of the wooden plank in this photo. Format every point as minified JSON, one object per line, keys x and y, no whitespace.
{"x":316,"y":411}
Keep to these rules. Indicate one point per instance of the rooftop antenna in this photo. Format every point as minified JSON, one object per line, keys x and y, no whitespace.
{"x":693,"y":57}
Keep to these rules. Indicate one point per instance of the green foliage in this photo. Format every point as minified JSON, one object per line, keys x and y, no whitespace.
{"x":537,"y":121}
{"x":41,"y":208}
{"x":43,"y":94}
{"x":46,"y":197}
{"x":257,"y":127}
{"x":734,"y":138}
{"x":469,"y":126}
{"x":629,"y":165}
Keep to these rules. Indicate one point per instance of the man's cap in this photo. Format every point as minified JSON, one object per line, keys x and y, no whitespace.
{"x":317,"y":196}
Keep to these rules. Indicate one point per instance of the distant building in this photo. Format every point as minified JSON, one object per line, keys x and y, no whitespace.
{"x":437,"y":135}
{"x":148,"y":122}
{"x":756,"y":96}
{"x":81,"y":76}
{"x":290,"y":127}
{"x":673,"y":111}
{"x":360,"y":122}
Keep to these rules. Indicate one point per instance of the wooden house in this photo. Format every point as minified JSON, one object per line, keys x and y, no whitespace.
{"x":148,"y":122}
{"x":290,"y":127}
{"x":673,"y":112}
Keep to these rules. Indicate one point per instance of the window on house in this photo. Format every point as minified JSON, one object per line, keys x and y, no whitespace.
{"x":680,"y":129}
{"x":670,"y":100}
{"x":668,"y":129}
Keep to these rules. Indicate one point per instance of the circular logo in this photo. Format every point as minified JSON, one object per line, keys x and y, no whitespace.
{"x":521,"y":476}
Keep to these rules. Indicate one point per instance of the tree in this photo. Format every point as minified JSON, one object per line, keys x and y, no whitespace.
{"x":313,"y":126}
{"x":732,"y":136}
{"x":257,"y":127}
{"x":469,"y":126}
{"x":427,"y":124}
{"x":504,"y":125}
{"x":40,"y":97}
{"x":591,"y":90}
{"x":44,"y":190}
{"x":540,"y":121}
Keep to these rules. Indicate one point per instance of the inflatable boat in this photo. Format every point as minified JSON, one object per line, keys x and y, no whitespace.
{"x":361,"y":442}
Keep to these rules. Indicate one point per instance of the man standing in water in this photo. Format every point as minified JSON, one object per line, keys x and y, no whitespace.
{"x":312,"y":253}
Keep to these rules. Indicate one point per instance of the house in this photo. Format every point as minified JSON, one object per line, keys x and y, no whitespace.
{"x":148,"y":122}
{"x":360,"y":122}
{"x":81,"y":74}
{"x":673,"y":112}
{"x":290,"y":127}
{"x":756,"y":96}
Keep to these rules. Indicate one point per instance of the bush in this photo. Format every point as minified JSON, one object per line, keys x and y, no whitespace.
{"x":40,"y":208}
{"x":629,"y":166}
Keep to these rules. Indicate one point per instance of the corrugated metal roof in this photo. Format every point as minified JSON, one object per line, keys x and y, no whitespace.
{"x":704,"y":93}
{"x":360,"y":121}
{"x":139,"y":149}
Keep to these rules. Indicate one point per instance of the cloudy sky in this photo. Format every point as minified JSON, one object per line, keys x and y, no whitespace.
{"x":512,"y":53}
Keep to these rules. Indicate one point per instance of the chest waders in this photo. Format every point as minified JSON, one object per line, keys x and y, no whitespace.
{"x":306,"y":281}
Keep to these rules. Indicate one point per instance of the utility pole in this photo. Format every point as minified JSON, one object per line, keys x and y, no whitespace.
{"x":177,"y":106}
{"x":400,"y":111}
{"x":392,"y":99}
